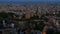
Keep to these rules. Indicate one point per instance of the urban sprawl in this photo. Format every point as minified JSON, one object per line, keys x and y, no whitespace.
{"x":29,"y":19}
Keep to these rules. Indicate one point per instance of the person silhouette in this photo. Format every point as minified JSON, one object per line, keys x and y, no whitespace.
{"x":4,"y":23}
{"x":12,"y":25}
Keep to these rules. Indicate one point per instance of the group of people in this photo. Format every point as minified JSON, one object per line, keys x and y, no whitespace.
{"x":4,"y":24}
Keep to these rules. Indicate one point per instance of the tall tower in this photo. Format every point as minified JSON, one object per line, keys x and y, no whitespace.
{"x":36,"y":14}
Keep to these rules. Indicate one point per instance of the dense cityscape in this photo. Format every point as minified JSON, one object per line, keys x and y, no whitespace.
{"x":29,"y":19}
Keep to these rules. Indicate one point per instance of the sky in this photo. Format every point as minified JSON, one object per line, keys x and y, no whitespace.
{"x":29,"y":1}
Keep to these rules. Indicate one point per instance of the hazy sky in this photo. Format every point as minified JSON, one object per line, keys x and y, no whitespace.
{"x":2,"y":1}
{"x":29,"y":0}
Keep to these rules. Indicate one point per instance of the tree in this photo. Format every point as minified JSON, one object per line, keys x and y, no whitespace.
{"x":7,"y":16}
